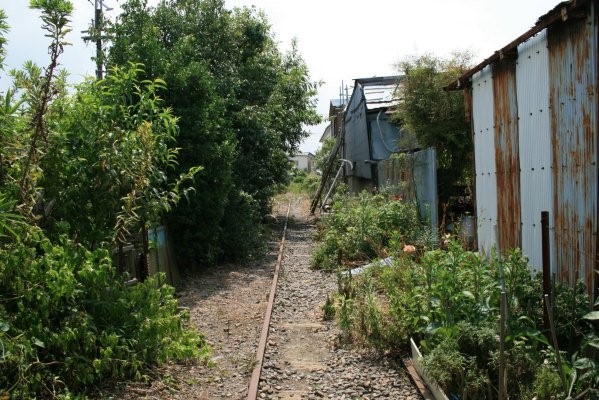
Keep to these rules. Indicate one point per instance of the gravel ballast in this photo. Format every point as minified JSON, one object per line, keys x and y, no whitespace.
{"x":303,"y":359}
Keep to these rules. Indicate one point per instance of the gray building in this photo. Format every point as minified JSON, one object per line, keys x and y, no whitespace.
{"x":303,"y":161}
{"x":369,"y":135}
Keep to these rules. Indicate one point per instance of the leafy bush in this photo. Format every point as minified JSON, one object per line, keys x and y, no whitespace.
{"x":303,"y":182}
{"x":449,"y":300}
{"x":242,"y":107}
{"x":246,"y":241}
{"x":67,"y":321}
{"x":359,"y":229}
{"x":105,"y":169}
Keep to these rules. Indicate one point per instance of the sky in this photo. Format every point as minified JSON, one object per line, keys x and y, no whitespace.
{"x":340,"y":40}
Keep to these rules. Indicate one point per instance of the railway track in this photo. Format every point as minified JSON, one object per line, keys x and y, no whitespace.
{"x":295,"y":355}
{"x":301,"y":357}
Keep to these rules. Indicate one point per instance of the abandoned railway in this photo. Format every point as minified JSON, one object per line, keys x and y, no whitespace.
{"x":292,"y":353}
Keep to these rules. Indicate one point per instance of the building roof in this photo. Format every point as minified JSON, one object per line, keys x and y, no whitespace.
{"x":379,"y":92}
{"x":560,"y":13}
{"x":327,"y":132}
{"x":338,"y":103}
{"x":303,"y":154}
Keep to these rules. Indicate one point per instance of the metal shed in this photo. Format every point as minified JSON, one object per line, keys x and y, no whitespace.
{"x":533,"y":107}
{"x":369,"y":135}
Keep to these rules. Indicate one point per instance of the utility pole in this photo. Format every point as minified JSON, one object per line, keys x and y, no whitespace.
{"x":95,"y":33}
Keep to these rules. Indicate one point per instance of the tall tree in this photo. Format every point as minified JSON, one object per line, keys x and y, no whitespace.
{"x":437,"y":117}
{"x":106,"y":171}
{"x":242,"y":106}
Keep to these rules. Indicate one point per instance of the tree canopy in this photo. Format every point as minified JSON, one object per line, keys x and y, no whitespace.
{"x":241,"y":104}
{"x":436,"y":116}
{"x":81,"y":171}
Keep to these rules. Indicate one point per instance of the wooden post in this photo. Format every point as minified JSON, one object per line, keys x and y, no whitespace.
{"x":327,"y":170}
{"x":546,"y":257}
{"x":121,"y":257}
{"x":503,"y":305}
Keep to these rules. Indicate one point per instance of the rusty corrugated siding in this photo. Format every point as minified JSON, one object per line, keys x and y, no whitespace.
{"x":534,"y":125}
{"x":507,"y":162}
{"x":573,"y":100}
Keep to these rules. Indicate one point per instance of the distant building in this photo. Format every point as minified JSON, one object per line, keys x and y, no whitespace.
{"x":336,"y":112}
{"x":303,"y":161}
{"x":366,"y":140}
{"x":369,"y":135}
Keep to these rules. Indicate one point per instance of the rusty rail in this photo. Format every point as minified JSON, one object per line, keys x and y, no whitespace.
{"x":255,"y":379}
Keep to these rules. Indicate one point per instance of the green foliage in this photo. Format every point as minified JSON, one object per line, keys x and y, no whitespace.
{"x":242,"y":106}
{"x":359,"y":229}
{"x":437,"y":117}
{"x":55,"y":15}
{"x":547,"y":384}
{"x":92,"y":165}
{"x":9,"y":219}
{"x":448,"y":300}
{"x":117,"y":138}
{"x":3,"y":31}
{"x":322,"y":155}
{"x":303,"y":182}
{"x":571,"y":305}
{"x":328,"y":309}
{"x":67,"y":322}
{"x":246,"y":241}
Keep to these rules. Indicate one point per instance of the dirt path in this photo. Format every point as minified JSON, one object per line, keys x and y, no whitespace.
{"x":302,"y":359}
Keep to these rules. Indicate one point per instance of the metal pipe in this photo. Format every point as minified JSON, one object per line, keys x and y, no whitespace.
{"x":502,"y":321}
{"x":343,"y":160}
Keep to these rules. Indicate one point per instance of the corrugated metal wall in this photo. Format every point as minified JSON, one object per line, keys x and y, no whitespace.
{"x":507,"y":159}
{"x":415,"y":179}
{"x":356,"y":147}
{"x":383,"y":136}
{"x":536,"y":126}
{"x":573,"y":101}
{"x":484,"y":147}
{"x":536,"y":186}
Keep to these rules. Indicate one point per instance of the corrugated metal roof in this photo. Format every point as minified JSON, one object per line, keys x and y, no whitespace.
{"x":379,"y":92}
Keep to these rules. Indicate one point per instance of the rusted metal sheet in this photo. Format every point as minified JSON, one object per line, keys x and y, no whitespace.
{"x":507,"y":162}
{"x":534,"y":125}
{"x":573,"y":100}
{"x":484,"y":159}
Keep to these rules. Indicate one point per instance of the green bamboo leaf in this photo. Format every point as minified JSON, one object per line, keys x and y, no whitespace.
{"x":592,"y":316}
{"x":468,"y":294}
